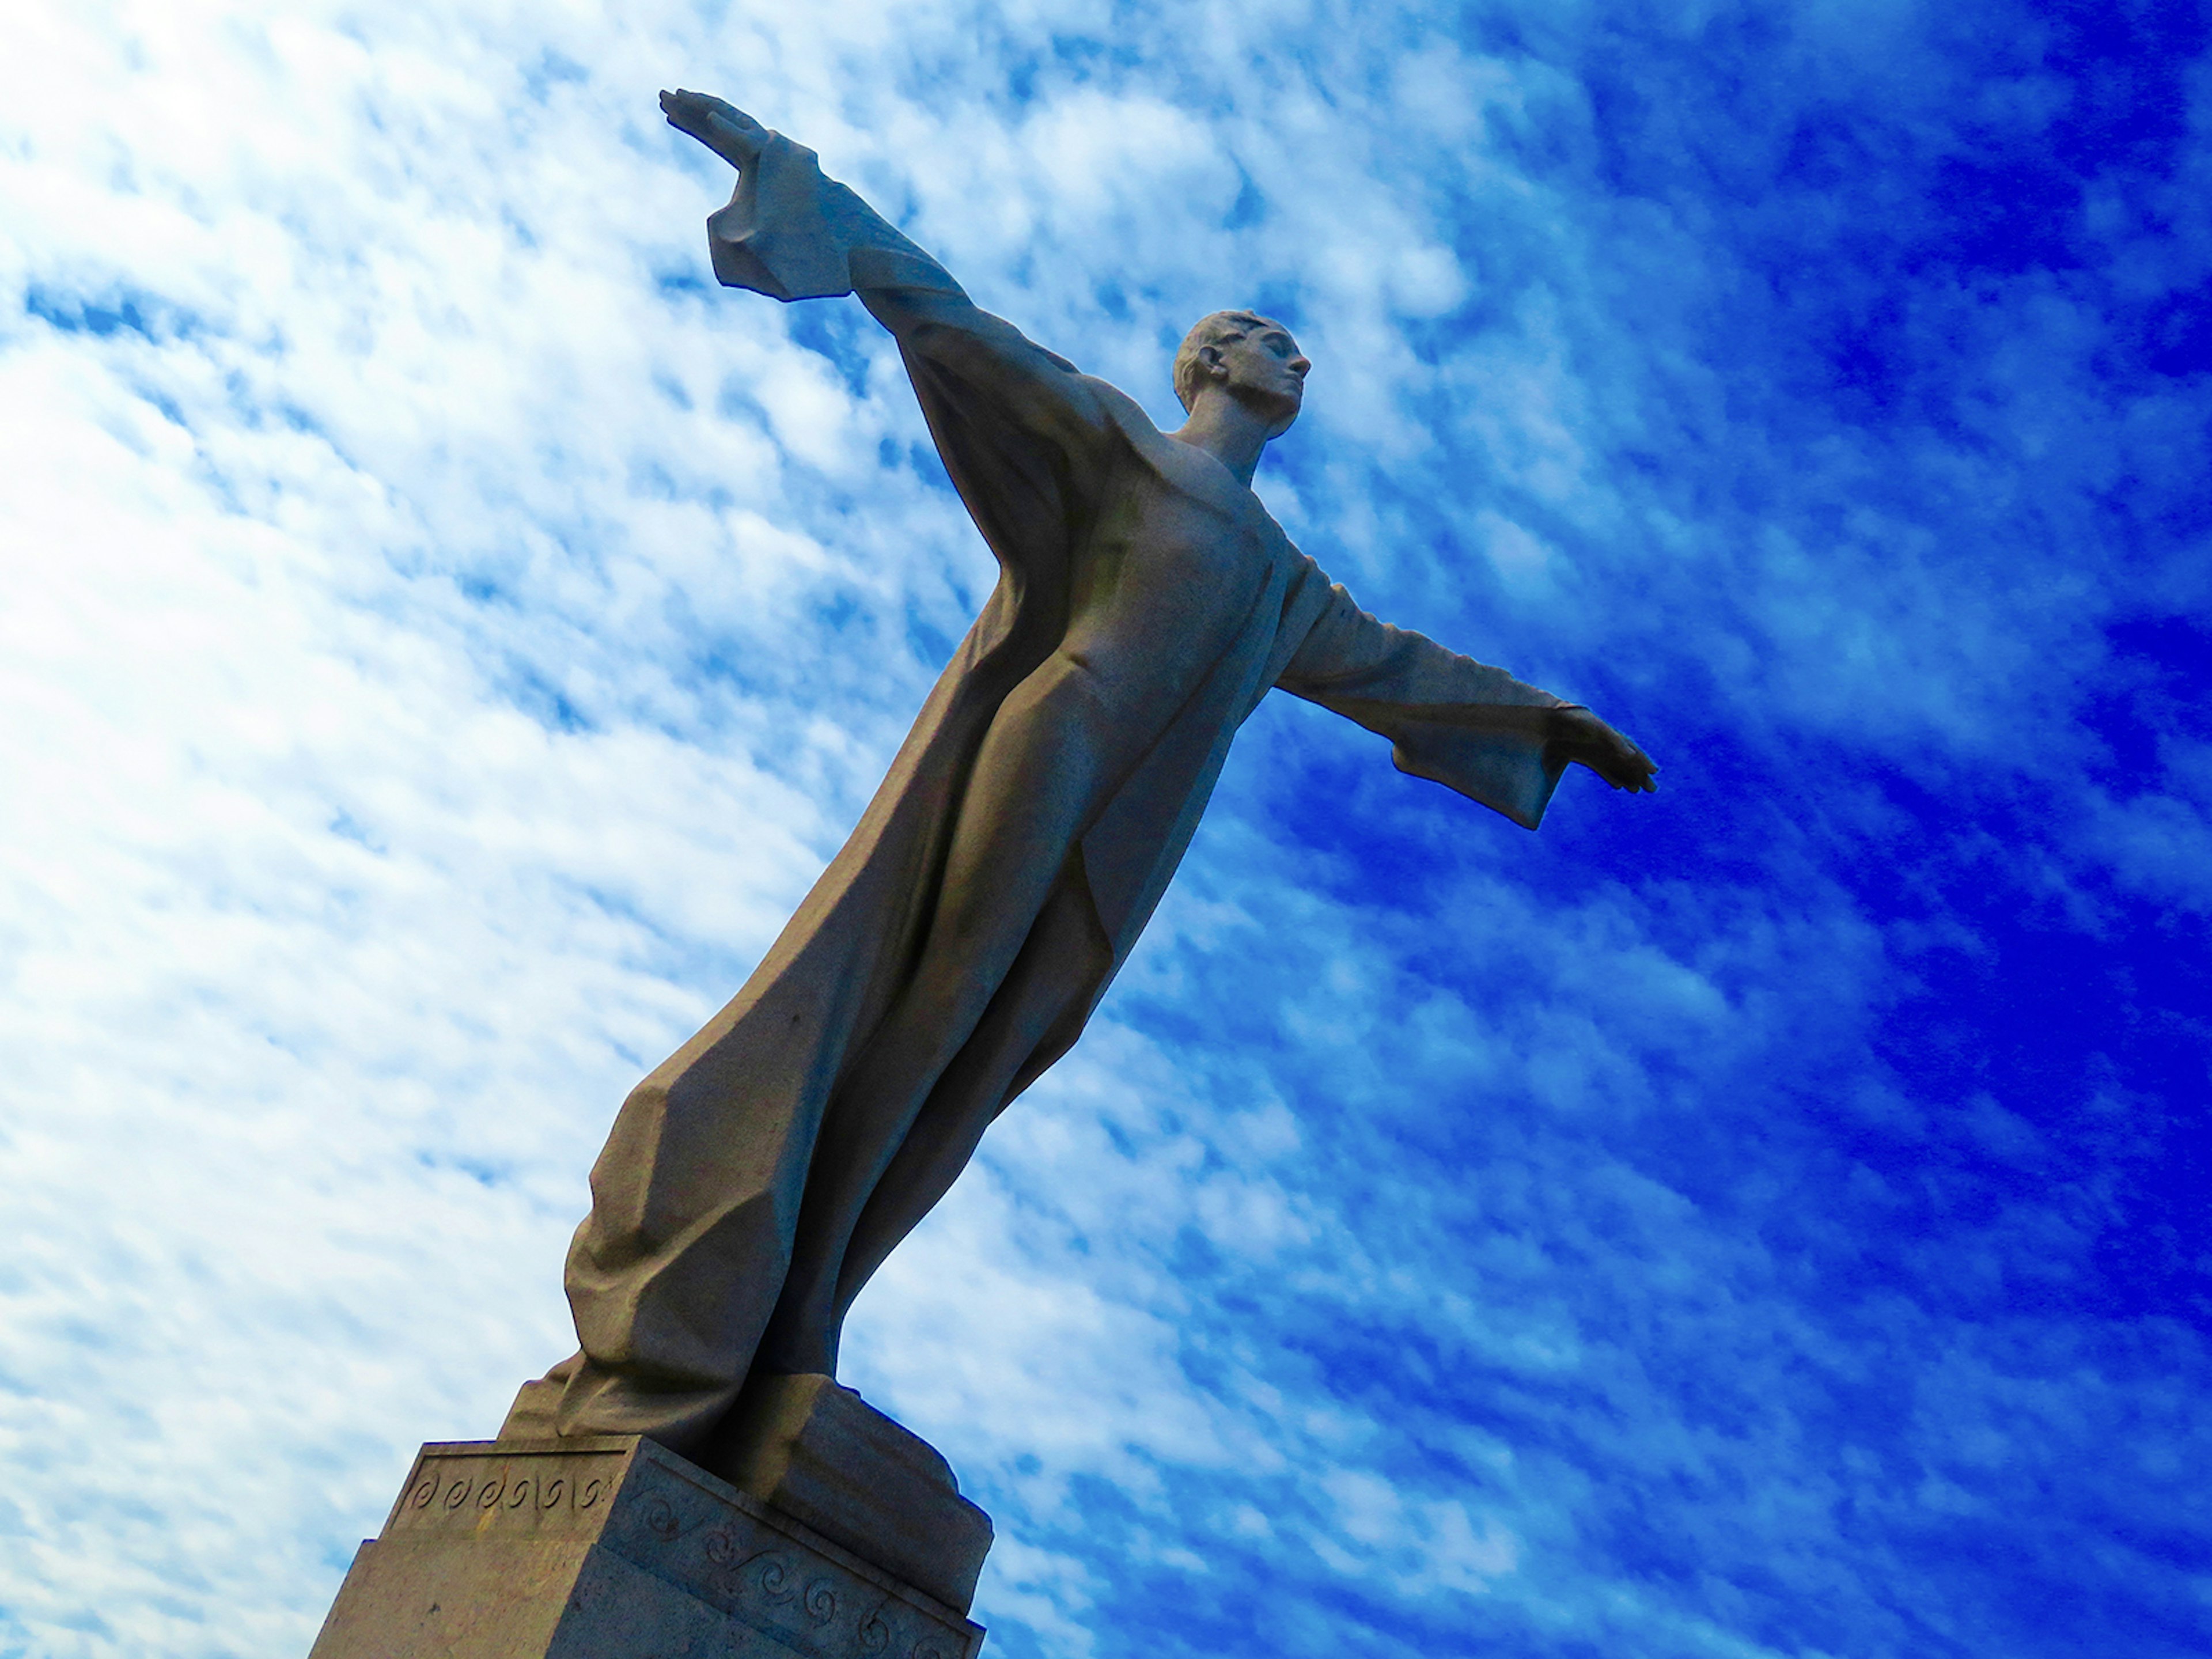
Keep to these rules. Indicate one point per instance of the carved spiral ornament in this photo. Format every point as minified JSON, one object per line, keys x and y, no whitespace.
{"x":785,"y":1585}
{"x":778,"y":1580}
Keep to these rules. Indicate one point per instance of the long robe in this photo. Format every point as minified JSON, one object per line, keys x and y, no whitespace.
{"x":696,"y":1197}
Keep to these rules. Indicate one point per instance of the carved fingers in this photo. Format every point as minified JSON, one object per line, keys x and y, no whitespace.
{"x":1631,"y":768}
{"x":722,"y":127}
{"x":1582,"y":736}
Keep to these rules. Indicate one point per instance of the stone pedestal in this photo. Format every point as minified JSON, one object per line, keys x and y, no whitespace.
{"x":617,"y":1548}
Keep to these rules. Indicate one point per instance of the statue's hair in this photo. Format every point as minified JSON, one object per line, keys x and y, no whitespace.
{"x":1220,"y":329}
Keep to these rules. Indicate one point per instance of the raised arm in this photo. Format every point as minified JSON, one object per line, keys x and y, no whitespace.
{"x":1462,"y":723}
{"x":793,"y":234}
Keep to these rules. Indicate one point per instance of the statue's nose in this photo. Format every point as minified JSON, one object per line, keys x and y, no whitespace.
{"x":1299,"y":366}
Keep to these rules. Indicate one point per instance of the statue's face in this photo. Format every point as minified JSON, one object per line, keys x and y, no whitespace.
{"x":1265,"y":370}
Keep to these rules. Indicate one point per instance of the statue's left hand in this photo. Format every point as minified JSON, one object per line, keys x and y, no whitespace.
{"x":723,"y":127}
{"x":1582,"y":736}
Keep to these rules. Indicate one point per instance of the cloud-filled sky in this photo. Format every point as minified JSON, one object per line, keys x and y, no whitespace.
{"x":444,"y":636}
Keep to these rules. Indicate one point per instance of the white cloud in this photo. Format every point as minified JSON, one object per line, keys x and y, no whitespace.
{"x":441,"y":642}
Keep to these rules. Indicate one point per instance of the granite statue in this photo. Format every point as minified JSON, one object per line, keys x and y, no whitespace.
{"x":957,"y":945}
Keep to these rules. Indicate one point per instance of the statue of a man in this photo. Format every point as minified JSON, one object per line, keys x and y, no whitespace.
{"x":956,"y":946}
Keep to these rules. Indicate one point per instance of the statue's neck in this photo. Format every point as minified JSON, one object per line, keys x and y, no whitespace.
{"x":1228,"y":432}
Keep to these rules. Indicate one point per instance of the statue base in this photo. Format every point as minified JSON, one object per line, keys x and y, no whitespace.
{"x":615,"y":1547}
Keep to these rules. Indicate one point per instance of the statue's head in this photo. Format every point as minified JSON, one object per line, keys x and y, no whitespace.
{"x":1252,"y":358}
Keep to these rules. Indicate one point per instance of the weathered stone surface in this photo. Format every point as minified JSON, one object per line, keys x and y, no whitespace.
{"x":955,"y":947}
{"x":822,"y":1455}
{"x":614,"y":1548}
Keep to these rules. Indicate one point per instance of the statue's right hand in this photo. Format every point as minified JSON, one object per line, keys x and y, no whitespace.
{"x":1579,"y":735}
{"x":723,"y":127}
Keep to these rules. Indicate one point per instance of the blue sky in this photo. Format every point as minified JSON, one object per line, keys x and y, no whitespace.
{"x":446,"y":635}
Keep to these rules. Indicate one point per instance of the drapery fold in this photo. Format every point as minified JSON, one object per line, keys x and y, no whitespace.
{"x":696,"y":1198}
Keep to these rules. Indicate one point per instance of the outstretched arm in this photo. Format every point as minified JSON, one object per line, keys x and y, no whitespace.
{"x":793,"y":233}
{"x":1462,"y":723}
